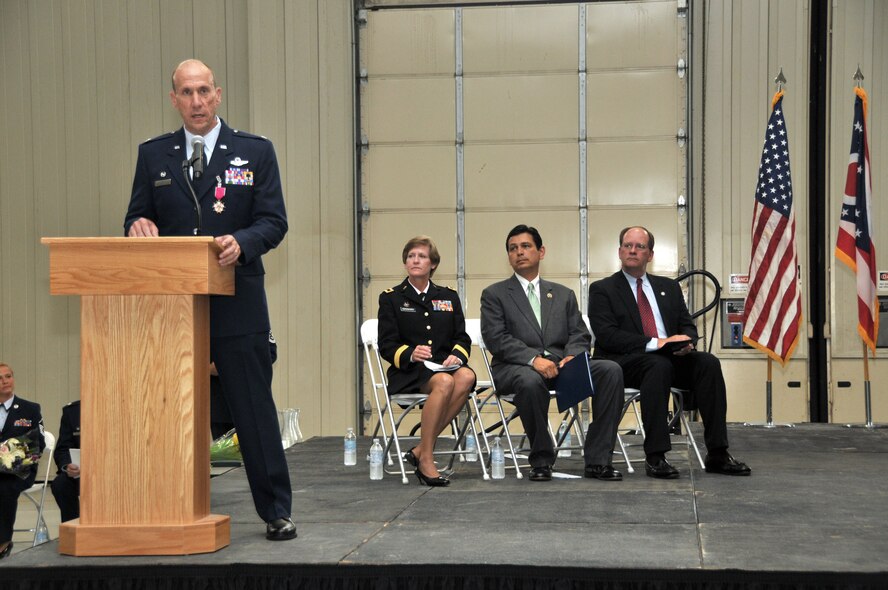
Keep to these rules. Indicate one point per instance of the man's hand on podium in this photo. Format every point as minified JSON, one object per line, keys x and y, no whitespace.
{"x":143,"y":228}
{"x":231,"y":250}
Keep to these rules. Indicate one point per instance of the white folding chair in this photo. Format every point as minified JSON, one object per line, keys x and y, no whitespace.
{"x":473,"y":329}
{"x":406,"y":402}
{"x":39,"y":488}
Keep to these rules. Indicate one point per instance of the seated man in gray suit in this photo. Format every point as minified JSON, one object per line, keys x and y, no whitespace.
{"x":533,"y":327}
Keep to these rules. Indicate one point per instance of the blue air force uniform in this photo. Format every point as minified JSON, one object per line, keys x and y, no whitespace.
{"x":22,"y":417}
{"x":66,"y":490}
{"x":407,"y":320}
{"x":243,"y":170}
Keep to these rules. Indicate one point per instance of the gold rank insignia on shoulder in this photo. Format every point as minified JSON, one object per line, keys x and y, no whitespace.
{"x":389,"y":291}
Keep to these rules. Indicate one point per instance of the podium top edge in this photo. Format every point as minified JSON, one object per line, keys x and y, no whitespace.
{"x":132,"y":241}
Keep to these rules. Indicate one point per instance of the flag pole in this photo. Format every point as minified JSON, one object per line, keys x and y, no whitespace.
{"x":779,"y":80}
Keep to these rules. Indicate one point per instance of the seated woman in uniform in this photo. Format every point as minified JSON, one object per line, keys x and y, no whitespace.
{"x":420,"y":321}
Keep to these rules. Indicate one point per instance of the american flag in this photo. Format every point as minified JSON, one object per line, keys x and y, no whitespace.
{"x":855,"y":246}
{"x":772,"y":315}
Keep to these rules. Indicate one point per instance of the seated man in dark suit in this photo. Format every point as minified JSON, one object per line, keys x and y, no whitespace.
{"x":17,"y":417}
{"x":634,"y":315}
{"x":66,"y":485}
{"x":533,"y":327}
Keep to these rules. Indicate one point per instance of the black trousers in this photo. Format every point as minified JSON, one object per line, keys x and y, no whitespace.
{"x":11,"y":488}
{"x":66,"y":491}
{"x":654,"y":373}
{"x":244,"y":366}
{"x":532,"y":402}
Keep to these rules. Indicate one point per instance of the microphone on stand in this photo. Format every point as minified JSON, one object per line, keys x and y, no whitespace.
{"x":195,"y":163}
{"x":197,"y":145}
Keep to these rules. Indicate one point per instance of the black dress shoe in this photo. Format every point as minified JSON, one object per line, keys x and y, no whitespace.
{"x":660,"y":468}
{"x":280,"y":529}
{"x":6,"y":551}
{"x":603,"y":472}
{"x":726,"y":465}
{"x":432,"y":482}
{"x":411,"y":458}
{"x":541,"y":474}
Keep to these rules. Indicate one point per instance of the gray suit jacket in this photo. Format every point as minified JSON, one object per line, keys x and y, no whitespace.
{"x":514,"y":337}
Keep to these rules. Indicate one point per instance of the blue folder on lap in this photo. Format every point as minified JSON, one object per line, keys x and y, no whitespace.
{"x":574,"y":382}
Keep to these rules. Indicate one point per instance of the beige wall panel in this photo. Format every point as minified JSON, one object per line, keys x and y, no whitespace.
{"x":604,"y":236}
{"x":521,"y":176}
{"x":521,"y":39}
{"x":517,"y":108}
{"x":631,"y":35}
{"x":847,"y":404}
{"x":51,"y":214}
{"x":149,"y":114}
{"x":614,"y":101}
{"x":637,"y":172}
{"x":236,"y":92}
{"x":486,"y":242}
{"x":390,"y":231}
{"x":415,"y":109}
{"x":408,"y":42}
{"x":336,"y":233}
{"x":116,"y":143}
{"x":17,"y":188}
{"x":745,"y":380}
{"x":409,"y":176}
{"x":474,"y":288}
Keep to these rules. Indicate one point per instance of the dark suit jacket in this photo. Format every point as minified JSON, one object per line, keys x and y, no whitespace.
{"x":616,"y":322}
{"x":23,"y":417}
{"x":254,"y":213}
{"x":512,"y":334}
{"x":406,"y":321}
{"x":69,"y":435}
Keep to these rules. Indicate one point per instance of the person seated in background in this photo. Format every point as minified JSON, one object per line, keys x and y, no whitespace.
{"x":634,"y":316}
{"x":533,"y":327}
{"x":18,"y":417}
{"x":66,"y":485}
{"x":220,"y":415}
{"x":420,"y":321}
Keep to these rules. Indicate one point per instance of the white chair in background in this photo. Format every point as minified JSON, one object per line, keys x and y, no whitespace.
{"x":39,"y":488}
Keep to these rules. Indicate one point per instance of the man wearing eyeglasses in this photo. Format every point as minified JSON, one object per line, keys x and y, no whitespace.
{"x":641,"y":321}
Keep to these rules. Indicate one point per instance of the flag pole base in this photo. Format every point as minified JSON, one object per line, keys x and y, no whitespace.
{"x":768,"y":425}
{"x":869,"y":426}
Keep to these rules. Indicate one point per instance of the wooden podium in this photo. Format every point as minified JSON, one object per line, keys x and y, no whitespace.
{"x":144,"y":388}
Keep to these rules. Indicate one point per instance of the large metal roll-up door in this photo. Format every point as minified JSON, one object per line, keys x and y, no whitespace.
{"x":565,"y":116}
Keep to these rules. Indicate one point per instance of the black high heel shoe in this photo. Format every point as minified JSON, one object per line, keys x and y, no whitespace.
{"x":434,"y":482}
{"x":8,"y":550}
{"x":411,"y":458}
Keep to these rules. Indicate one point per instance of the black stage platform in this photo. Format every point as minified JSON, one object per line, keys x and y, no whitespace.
{"x":814,"y":514}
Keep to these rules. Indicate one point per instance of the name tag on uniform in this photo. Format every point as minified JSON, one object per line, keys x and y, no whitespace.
{"x":163,"y":182}
{"x":442,"y":305}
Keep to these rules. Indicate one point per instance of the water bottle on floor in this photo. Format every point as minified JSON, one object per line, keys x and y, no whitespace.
{"x":563,"y":430}
{"x":497,"y":460}
{"x":376,"y":460}
{"x":351,"y":448}
{"x":42,"y":535}
{"x":471,"y":448}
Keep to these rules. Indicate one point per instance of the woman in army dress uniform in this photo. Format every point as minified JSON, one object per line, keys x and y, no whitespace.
{"x":420,"y":321}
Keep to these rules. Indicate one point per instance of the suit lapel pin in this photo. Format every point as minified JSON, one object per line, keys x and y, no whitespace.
{"x":548,"y":296}
{"x":223,"y":146}
{"x":15,"y":406}
{"x":163,"y":174}
{"x":175,"y":147}
{"x":662,"y":293}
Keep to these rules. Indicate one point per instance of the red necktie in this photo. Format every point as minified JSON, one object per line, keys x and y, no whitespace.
{"x":647,"y":314}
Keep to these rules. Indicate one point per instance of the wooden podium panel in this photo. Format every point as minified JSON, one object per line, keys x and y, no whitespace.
{"x":145,"y":355}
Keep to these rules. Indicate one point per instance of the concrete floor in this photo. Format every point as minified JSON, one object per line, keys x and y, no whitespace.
{"x":817,"y":501}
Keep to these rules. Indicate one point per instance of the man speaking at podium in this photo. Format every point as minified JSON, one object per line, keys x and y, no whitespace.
{"x":209,"y":179}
